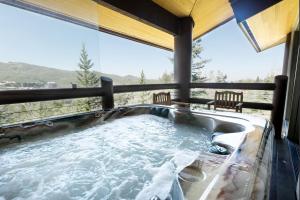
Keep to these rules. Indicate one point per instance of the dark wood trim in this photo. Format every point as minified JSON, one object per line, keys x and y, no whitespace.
{"x":145,"y":87}
{"x":251,"y":105}
{"x":49,"y":13}
{"x":236,"y":86}
{"x":24,"y":96}
{"x":146,"y":11}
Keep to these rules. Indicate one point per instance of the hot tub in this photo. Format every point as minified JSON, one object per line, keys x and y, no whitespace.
{"x":137,"y":152}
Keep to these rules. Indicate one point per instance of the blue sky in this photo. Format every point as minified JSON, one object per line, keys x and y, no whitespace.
{"x":36,"y":39}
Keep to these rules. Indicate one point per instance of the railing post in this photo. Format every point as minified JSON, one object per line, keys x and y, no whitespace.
{"x":279,"y":103}
{"x":108,"y":98}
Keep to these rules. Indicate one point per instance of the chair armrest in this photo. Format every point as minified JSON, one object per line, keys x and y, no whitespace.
{"x":239,"y":105}
{"x":210,"y":102}
{"x":180,"y":103}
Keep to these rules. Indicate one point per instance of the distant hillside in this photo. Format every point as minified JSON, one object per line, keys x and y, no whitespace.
{"x":23,"y":72}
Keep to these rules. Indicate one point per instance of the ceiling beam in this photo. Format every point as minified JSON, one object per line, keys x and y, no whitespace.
{"x":146,"y":11}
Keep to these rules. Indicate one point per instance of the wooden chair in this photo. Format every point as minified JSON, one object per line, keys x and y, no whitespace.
{"x":164,"y":98}
{"x":228,"y":100}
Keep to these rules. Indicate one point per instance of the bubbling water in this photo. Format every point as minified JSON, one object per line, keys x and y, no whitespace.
{"x":115,"y":160}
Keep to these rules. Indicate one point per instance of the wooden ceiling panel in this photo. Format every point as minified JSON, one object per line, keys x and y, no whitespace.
{"x":270,"y":27}
{"x":209,"y":15}
{"x":180,"y":8}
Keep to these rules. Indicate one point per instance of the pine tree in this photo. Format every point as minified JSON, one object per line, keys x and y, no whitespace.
{"x":86,"y":77}
{"x":257,"y":79}
{"x":198,"y":62}
{"x":4,"y":114}
{"x":266,"y":95}
{"x":269,"y":78}
{"x":221,"y":78}
{"x":122,"y":99}
{"x":142,"y":78}
{"x":144,"y":95}
{"x":166,"y":78}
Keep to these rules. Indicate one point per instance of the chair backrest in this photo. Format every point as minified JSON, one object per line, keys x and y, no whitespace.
{"x":228,"y":99}
{"x":163,"y":98}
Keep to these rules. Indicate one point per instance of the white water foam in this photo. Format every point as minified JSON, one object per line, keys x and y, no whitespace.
{"x":163,"y":181}
{"x":117,"y":160}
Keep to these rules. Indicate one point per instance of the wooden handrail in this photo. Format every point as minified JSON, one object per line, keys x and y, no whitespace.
{"x":24,"y":96}
{"x":144,"y":87}
{"x":35,"y":95}
{"x":235,"y":86}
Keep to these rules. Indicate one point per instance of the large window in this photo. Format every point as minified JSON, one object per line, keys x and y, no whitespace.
{"x":47,"y":53}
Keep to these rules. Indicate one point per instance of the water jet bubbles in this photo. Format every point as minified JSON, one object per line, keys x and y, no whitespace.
{"x":116,"y":160}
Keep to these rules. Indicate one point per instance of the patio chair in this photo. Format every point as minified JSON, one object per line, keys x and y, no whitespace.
{"x":164,"y":98}
{"x":228,"y":100}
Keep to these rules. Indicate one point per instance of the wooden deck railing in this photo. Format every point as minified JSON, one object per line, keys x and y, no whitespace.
{"x":144,"y":87}
{"x":24,"y":96}
{"x":107,"y":90}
